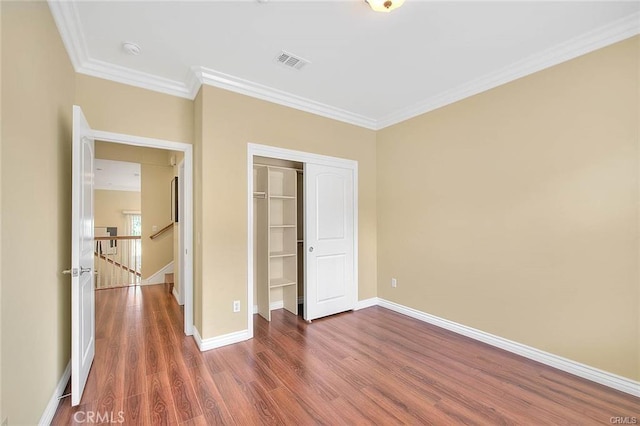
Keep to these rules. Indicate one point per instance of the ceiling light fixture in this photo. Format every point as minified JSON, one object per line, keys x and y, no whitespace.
{"x":384,"y":5}
{"x":131,"y":48}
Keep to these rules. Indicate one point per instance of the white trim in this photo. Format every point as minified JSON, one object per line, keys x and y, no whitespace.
{"x":158,"y":276}
{"x":576,"y":368}
{"x":270,"y":94}
{"x":54,"y":401}
{"x":180,"y":229}
{"x":67,"y":20}
{"x":176,"y":294}
{"x":187,"y":255}
{"x":601,"y":37}
{"x":366,"y":303}
{"x":301,"y":157}
{"x":124,"y":75}
{"x":219,"y":341}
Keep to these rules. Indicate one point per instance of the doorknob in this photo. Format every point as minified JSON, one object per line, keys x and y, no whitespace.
{"x":73,"y":272}
{"x":310,"y":249}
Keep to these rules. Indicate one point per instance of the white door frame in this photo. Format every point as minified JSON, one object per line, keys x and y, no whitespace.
{"x":301,"y":157}
{"x":181,"y":204}
{"x":186,"y":219}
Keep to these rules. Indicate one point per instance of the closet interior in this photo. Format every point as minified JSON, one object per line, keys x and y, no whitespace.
{"x":278,"y":235}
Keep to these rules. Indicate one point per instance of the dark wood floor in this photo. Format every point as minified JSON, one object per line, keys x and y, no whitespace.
{"x":369,"y":367}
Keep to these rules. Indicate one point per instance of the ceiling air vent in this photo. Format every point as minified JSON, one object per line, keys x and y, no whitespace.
{"x":291,"y":61}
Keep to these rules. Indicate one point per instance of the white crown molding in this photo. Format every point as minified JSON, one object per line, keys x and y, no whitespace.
{"x":65,"y":14}
{"x":67,"y":20}
{"x":249,"y":88}
{"x":585,"y":43}
{"x":578,"y":369}
{"x":120,"y":74}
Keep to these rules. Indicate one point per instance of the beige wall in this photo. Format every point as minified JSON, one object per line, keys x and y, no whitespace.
{"x":37,"y":96}
{"x":516,"y":211}
{"x":119,"y":108}
{"x":156,"y":214}
{"x":229,"y":122}
{"x":155,"y":175}
{"x":108,"y":207}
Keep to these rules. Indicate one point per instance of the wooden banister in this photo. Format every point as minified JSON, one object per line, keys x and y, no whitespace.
{"x":162,"y":231}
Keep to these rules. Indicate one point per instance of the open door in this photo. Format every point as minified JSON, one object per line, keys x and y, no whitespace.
{"x":330,"y":287}
{"x":82,"y":276}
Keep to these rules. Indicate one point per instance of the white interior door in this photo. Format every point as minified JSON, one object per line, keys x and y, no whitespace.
{"x":82,"y":276}
{"x":330,"y":286}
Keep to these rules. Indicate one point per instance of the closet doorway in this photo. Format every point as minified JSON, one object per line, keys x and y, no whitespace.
{"x":303,"y":233}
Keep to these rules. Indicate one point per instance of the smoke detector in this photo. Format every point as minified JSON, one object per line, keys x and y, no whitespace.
{"x":131,"y":48}
{"x":291,"y":61}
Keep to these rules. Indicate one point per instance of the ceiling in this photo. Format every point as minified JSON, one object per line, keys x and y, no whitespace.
{"x":116,"y":175}
{"x":366,"y":68}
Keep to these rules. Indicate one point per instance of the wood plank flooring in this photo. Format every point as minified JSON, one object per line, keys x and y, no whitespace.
{"x":372,"y":366}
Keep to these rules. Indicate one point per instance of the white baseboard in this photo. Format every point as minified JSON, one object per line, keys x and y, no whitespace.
{"x":578,"y":369}
{"x":52,"y":406}
{"x":366,"y":303}
{"x":219,"y":341}
{"x":158,"y":277}
{"x":176,"y":295}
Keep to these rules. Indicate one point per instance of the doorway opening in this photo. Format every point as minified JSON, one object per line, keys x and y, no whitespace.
{"x":136,"y":212}
{"x":174,"y":165}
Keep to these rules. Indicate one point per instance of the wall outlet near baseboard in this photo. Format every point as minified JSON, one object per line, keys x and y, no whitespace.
{"x":394,"y":283}
{"x":236,"y":306}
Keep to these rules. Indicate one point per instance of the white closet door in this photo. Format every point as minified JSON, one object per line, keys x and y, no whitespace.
{"x":330,"y":287}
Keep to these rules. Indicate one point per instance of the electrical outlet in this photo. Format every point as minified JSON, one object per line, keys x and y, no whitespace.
{"x":236,"y":306}
{"x":394,"y":283}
